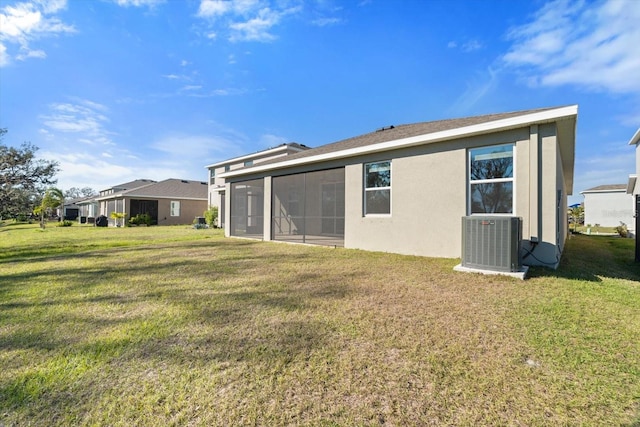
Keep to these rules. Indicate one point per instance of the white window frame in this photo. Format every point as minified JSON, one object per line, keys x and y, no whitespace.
{"x":175,"y":207}
{"x":366,"y":189}
{"x":511,"y":179}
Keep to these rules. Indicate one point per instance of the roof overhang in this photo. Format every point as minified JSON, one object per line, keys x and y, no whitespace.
{"x":566,"y":116}
{"x":612,"y":190}
{"x":146,"y":196}
{"x":631,"y":185}
{"x":267,"y":152}
{"x":636,"y":138}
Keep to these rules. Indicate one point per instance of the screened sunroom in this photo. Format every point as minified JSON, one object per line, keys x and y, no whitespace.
{"x":305,"y":208}
{"x":309,"y":207}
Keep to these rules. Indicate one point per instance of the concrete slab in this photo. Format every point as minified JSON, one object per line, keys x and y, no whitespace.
{"x":517,"y":274}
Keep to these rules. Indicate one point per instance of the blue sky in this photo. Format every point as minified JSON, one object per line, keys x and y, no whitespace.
{"x":116,"y":90}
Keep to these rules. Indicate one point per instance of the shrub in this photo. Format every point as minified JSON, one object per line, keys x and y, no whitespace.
{"x":65,"y":223}
{"x":211,"y":216}
{"x":622,"y":230}
{"x":141,"y":219}
{"x":21,"y":218}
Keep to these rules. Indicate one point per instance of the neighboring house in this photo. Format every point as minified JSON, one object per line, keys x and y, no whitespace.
{"x":168,"y":202}
{"x":633,"y":188}
{"x":89,"y":209}
{"x":74,"y":209}
{"x":607,"y":205}
{"x":217,"y":184}
{"x":405,"y":189}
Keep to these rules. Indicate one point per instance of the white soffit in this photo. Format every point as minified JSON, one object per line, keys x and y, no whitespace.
{"x":636,"y":138}
{"x":631,"y":185}
{"x":465,"y":131}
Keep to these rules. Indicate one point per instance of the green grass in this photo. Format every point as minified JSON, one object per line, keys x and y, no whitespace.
{"x":176,"y":326}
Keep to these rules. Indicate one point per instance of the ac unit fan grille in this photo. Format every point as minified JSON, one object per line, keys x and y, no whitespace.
{"x":491,"y":243}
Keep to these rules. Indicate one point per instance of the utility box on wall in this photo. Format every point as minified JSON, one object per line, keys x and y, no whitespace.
{"x":491,"y":242}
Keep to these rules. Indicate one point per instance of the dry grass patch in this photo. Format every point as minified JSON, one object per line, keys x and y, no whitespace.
{"x":174,"y":326}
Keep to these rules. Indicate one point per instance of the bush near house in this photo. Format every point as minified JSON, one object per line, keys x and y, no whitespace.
{"x":211,"y":216}
{"x":194,"y":329}
{"x":141,"y":219}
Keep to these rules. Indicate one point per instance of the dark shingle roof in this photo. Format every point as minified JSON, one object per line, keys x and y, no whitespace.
{"x":130,"y":185}
{"x":393,"y":133}
{"x":171,"y":188}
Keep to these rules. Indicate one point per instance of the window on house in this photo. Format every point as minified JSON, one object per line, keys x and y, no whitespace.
{"x":212,"y":176}
{"x":377,"y":188}
{"x":227,"y":168}
{"x":248,"y":163}
{"x":175,"y":208}
{"x":491,"y":180}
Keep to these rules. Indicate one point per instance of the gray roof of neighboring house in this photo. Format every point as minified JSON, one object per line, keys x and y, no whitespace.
{"x":392,"y":133}
{"x":171,"y":188}
{"x":282,"y":147}
{"x":130,"y":185}
{"x":608,"y":187}
{"x":79,"y":200}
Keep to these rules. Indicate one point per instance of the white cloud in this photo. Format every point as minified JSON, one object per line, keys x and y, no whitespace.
{"x":4,"y":56}
{"x":212,"y":8}
{"x":482,"y":84}
{"x":578,"y":43}
{"x":471,"y":45}
{"x":83,"y":117}
{"x":31,"y":54}
{"x":467,"y":46}
{"x":323,"y":22}
{"x":139,"y":3}
{"x":256,"y":29}
{"x":244,"y":20}
{"x":24,"y":23}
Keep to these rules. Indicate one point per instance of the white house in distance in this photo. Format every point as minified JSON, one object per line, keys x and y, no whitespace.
{"x":217,"y":184}
{"x":633,"y":188}
{"x":608,"y":205}
{"x":404,"y":189}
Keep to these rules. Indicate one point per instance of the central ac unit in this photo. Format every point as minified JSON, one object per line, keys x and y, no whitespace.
{"x":491,"y":243}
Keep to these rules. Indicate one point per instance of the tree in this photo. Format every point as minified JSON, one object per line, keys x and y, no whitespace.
{"x":77,"y":193}
{"x":577,"y":216}
{"x":23,"y":178}
{"x":52,"y":199}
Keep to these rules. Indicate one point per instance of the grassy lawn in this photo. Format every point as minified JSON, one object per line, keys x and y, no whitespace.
{"x":176,"y":326}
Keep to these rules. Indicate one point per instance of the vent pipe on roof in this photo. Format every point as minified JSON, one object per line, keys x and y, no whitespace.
{"x":385,"y":128}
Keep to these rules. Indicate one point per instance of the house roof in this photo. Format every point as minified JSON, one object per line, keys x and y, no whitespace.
{"x":606,"y":188}
{"x":635,"y":139}
{"x":130,"y":185}
{"x":167,"y":189}
{"x":79,"y":200}
{"x":401,"y":136}
{"x":269,"y":151}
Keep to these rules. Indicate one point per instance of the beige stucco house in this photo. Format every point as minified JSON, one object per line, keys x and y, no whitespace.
{"x":216,"y":191}
{"x":168,"y":202}
{"x":404,"y":189}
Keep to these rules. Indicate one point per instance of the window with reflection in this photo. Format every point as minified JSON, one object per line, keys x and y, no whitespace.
{"x":377,"y":188}
{"x":491,"y":179}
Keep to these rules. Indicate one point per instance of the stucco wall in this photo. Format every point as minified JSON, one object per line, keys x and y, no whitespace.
{"x":608,"y":208}
{"x":429,"y":196}
{"x":189,"y":209}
